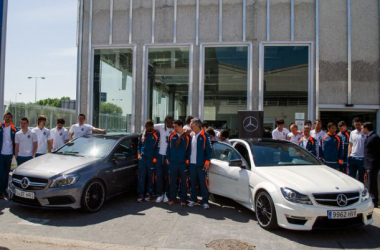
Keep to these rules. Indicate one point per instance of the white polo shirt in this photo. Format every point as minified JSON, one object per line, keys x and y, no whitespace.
{"x":78,"y":131}
{"x":280,"y":135}
{"x":59,"y":137}
{"x":164,"y":136}
{"x":294,"y":138}
{"x":7,"y":148}
{"x":193,"y":155}
{"x":43,"y":136}
{"x":357,"y":138}
{"x":25,"y":142}
{"x":318,"y":137}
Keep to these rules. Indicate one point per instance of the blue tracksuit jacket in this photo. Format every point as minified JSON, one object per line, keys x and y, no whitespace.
{"x":149,"y":148}
{"x":13,"y":134}
{"x":332,"y":148}
{"x":311,"y":145}
{"x":345,"y":137}
{"x":178,"y":155}
{"x":204,"y":149}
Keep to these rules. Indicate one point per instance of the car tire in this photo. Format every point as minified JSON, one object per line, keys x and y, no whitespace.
{"x":265,"y":211}
{"x":93,"y":196}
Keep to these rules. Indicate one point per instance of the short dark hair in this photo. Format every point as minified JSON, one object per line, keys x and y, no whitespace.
{"x":342,"y":123}
{"x":317,"y":120}
{"x":149,"y":122}
{"x":307,"y":122}
{"x":225,"y":133}
{"x":188,"y":119}
{"x":61,"y":121}
{"x":82,"y":116}
{"x":210,"y":131}
{"x":178,"y":122}
{"x":330,"y":124}
{"x":357,"y":119}
{"x":204,"y":125}
{"x":280,"y":122}
{"x":168,"y":117}
{"x":368,"y":125}
{"x":8,"y":113}
{"x":41,"y":118}
{"x":25,"y":119}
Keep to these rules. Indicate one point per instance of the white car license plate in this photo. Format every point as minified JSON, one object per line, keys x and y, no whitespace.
{"x":23,"y":194}
{"x":345,"y":214}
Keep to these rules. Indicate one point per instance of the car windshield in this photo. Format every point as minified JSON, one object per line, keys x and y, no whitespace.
{"x":273,"y":154}
{"x":88,"y":147}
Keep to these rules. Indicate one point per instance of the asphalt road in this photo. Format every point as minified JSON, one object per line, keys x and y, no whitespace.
{"x":129,"y":225}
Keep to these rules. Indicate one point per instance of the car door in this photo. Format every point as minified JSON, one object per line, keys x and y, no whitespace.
{"x":226,"y":180}
{"x":124,"y":170}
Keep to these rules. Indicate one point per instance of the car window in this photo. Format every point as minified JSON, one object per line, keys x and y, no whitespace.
{"x":127,"y":147}
{"x":224,"y":152}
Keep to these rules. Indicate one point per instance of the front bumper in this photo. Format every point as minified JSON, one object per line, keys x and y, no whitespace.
{"x":64,"y":197}
{"x":308,"y":217}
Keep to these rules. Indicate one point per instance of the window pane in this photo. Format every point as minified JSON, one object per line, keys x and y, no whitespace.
{"x":113,"y":89}
{"x":285,"y":83}
{"x":168,"y":83}
{"x":225,"y":90}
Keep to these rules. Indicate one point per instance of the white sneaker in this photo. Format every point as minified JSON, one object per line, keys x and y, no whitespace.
{"x":206,"y":206}
{"x":191,"y":204}
{"x":160,"y":199}
{"x":165,"y":198}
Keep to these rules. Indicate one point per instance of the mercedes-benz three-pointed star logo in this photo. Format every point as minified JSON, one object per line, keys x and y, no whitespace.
{"x":25,"y":182}
{"x":250,"y":124}
{"x":341,"y":200}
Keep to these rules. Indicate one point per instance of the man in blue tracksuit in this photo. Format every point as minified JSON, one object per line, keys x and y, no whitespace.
{"x":308,"y":142}
{"x":178,"y":159}
{"x":344,"y":135}
{"x":147,"y":153}
{"x":332,"y":148}
{"x":200,"y":155}
{"x":7,"y":149}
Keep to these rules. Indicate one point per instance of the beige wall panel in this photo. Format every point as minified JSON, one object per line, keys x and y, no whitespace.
{"x":304,"y":20}
{"x":280,"y":20}
{"x":164,"y":21}
{"x":121,"y":22}
{"x":256,"y":20}
{"x":101,"y":22}
{"x":233,"y":21}
{"x":186,"y":21}
{"x":209,"y":21}
{"x":142,"y":22}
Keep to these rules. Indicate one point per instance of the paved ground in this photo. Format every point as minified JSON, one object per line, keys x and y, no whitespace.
{"x":126,"y":223}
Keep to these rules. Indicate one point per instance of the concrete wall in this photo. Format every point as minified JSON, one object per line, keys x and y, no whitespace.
{"x":332,"y":40}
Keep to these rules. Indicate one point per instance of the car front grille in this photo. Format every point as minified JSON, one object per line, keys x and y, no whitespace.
{"x":331,"y":199}
{"x":34,"y":183}
{"x":323,"y":222}
{"x":61,"y":200}
{"x":26,"y":201}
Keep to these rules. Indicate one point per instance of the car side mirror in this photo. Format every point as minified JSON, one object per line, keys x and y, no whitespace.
{"x":119,"y":157}
{"x":236,"y":163}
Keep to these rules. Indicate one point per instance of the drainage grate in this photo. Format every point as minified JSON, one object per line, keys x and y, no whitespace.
{"x":230,"y":244}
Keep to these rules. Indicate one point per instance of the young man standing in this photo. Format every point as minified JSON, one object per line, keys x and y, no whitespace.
{"x":356,"y":151}
{"x":7,"y":143}
{"x":80,"y":129}
{"x":332,"y":149}
{"x":344,"y":134}
{"x":162,"y":185}
{"x":308,"y":142}
{"x":178,"y":159}
{"x":147,"y":153}
{"x":317,"y":133}
{"x":280,"y":133}
{"x":59,"y":134}
{"x":200,"y":155}
{"x":26,"y":143}
{"x":45,"y":141}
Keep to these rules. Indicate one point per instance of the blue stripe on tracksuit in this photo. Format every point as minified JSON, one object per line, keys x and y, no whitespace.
{"x":148,"y":151}
{"x":197,"y":173}
{"x":177,"y":164}
{"x":332,"y":150}
{"x":345,"y":137}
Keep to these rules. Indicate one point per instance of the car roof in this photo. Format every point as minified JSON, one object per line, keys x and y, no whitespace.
{"x":257,"y":141}
{"x":115,"y":136}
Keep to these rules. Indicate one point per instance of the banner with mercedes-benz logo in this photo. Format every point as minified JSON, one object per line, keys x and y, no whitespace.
{"x":251,"y":123}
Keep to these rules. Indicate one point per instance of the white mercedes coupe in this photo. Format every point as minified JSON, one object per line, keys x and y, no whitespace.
{"x":287,"y":186}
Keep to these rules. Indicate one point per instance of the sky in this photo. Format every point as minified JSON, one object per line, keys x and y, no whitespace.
{"x":41,"y":42}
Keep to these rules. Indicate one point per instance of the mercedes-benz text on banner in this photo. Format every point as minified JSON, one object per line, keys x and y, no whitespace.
{"x":251,"y":123}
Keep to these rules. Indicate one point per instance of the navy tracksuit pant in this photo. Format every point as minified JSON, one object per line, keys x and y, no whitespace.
{"x":5,"y":167}
{"x":198,"y":176}
{"x":146,"y":169}
{"x":178,"y":169}
{"x":355,"y":166}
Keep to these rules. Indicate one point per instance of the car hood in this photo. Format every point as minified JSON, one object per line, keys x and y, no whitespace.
{"x":310,"y":179}
{"x":52,"y":164}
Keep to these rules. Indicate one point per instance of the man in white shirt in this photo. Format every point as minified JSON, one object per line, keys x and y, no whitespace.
{"x":26,"y":143}
{"x":45,"y":141}
{"x":317,"y":133}
{"x":162,"y":172}
{"x":224,"y":136}
{"x":187,"y":127}
{"x":355,"y":153}
{"x":59,"y":134}
{"x":80,"y":129}
{"x":280,"y":133}
{"x":295,"y":135}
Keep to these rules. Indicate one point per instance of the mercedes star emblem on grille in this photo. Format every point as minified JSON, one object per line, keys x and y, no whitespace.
{"x":341,"y":200}
{"x":25,"y":182}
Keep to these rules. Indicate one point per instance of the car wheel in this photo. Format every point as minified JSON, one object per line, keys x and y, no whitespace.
{"x":93,"y":196}
{"x":265,"y":211}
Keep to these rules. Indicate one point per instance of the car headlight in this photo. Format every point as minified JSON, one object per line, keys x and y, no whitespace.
{"x":293,"y":196}
{"x":365,"y":194}
{"x":64,"y":180}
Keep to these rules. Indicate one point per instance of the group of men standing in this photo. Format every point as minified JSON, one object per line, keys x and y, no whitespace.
{"x":356,"y":153}
{"x":172,"y":155}
{"x":28,"y":143}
